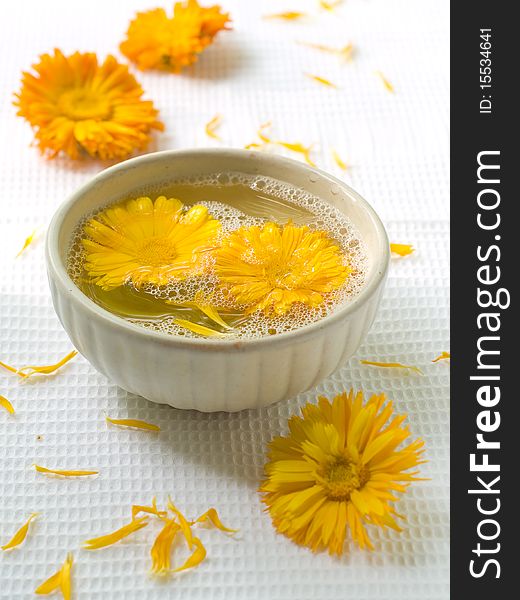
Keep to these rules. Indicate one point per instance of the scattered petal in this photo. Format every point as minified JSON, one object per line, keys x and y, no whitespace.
{"x":152,"y":510}
{"x":199,"y":329}
{"x":385,"y":81}
{"x":390,"y":365}
{"x":287,"y":16}
{"x":20,"y":535}
{"x":60,"y":579}
{"x":212,"y":516}
{"x":402,"y":249}
{"x":138,"y":424}
{"x":339,"y":161}
{"x":321,"y":80}
{"x":114,"y":537}
{"x":4,"y":402}
{"x":260,"y":133}
{"x":212,"y":125}
{"x":442,"y":356}
{"x":64,"y":473}
{"x":345,"y":53}
{"x":330,"y":6}
{"x":9,"y":368}
{"x":183,"y":523}
{"x":161,"y":549}
{"x":44,"y":370}
{"x":27,"y":242}
{"x":300,"y":149}
{"x":253,"y":146}
{"x":199,"y":554}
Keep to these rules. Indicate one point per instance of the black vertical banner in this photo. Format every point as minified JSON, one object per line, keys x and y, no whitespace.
{"x":485,"y":250}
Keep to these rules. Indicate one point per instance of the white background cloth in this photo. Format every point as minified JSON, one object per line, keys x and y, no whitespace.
{"x":397,"y":145}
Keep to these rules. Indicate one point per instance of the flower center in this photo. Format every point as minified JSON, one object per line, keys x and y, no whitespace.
{"x":79,"y":104}
{"x":282,"y":274}
{"x":156,"y":252}
{"x":342,"y":476}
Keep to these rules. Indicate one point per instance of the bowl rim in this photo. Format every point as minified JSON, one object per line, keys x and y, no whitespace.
{"x":58,"y":273}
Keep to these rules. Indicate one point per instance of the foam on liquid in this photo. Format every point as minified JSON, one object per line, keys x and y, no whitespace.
{"x":236,"y":200}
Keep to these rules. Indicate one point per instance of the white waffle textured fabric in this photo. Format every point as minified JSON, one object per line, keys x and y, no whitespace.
{"x":397,"y":146}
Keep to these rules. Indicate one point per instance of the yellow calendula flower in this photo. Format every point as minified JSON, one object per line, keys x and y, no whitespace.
{"x":146,"y":241}
{"x":273,"y":267}
{"x":156,"y":41}
{"x":338,"y":470}
{"x":81,"y":107}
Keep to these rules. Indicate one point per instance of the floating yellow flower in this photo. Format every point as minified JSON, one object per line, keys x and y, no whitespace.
{"x":156,"y":41}
{"x":270,"y":268}
{"x":337,"y":470}
{"x":78,"y":106}
{"x":145,"y":241}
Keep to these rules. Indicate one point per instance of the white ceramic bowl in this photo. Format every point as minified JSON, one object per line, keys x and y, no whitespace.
{"x":212,"y":374}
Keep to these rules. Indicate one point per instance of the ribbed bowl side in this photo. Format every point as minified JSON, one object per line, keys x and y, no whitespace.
{"x":215,"y":378}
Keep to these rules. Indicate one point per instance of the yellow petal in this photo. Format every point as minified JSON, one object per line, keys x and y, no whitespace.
{"x":49,"y":585}
{"x":183,"y":522}
{"x":299,"y":148}
{"x":152,"y":510}
{"x":260,"y":133}
{"x":199,"y":554}
{"x":20,"y":535}
{"x":9,"y":368}
{"x":161,"y":549}
{"x":46,"y":369}
{"x":388,"y":86}
{"x":65,"y":584}
{"x":212,"y":125}
{"x":390,"y":365}
{"x":345,"y":53}
{"x":199,"y":329}
{"x":337,"y":159}
{"x":212,"y":515}
{"x":442,"y":356}
{"x":60,"y":579}
{"x":401,"y":249}
{"x":321,"y":80}
{"x":116,"y":536}
{"x":138,"y":424}
{"x":64,"y":473}
{"x":27,"y":242}
{"x":4,"y":402}
{"x":286,"y":16}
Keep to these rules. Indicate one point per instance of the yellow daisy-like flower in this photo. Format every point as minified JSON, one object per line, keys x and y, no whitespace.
{"x":156,"y":41}
{"x":273,"y":267}
{"x":143,"y":241}
{"x":79,"y":106}
{"x":339,"y":469}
